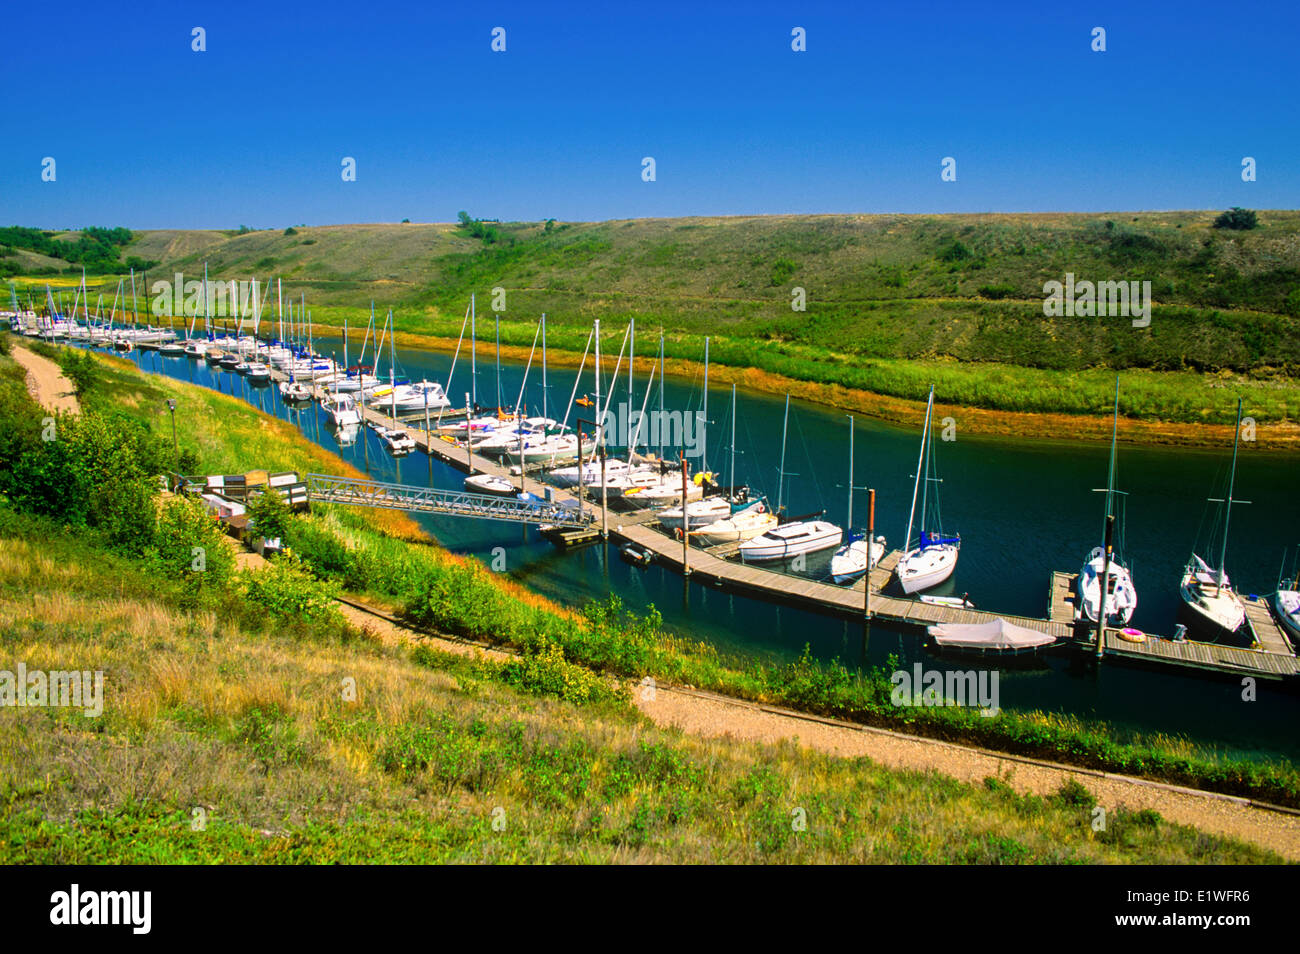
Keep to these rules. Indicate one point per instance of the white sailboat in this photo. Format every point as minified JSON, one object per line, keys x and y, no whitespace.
{"x":934,"y":557}
{"x":793,"y":538}
{"x":861,"y":553}
{"x":1121,"y":595}
{"x":1286,"y":601}
{"x":490,"y":485}
{"x":1206,"y":591}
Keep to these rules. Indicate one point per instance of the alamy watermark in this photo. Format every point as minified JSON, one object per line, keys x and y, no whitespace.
{"x":922,"y":687}
{"x":225,"y":299}
{"x":1087,"y":299}
{"x":623,"y":425}
{"x":64,"y":689}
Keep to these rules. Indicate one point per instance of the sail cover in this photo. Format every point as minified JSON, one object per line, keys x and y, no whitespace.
{"x":996,"y":634}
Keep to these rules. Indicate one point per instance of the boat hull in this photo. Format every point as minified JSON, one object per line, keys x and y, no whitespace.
{"x":922,"y":569}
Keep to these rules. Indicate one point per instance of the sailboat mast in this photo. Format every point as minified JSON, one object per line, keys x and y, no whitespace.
{"x":732,"y":465}
{"x":600,"y":418}
{"x":498,"y":327}
{"x":544,"y":385}
{"x":704,"y":448}
{"x":1227,"y":504}
{"x":661,"y":397}
{"x":848,"y":523}
{"x":473,"y":360}
{"x":780,"y":483}
{"x":920,"y":459}
{"x":206,"y":330}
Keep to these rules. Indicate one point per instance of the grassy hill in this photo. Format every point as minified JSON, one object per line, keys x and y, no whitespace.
{"x":224,"y":707}
{"x":892,"y":300}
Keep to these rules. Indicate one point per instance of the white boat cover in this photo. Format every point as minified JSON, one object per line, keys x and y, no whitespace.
{"x":997,"y":634}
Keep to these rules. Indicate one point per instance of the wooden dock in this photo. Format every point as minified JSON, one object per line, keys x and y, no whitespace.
{"x":1272,"y":656}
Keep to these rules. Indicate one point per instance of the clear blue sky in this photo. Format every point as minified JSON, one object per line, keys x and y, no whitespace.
{"x":148,"y":134}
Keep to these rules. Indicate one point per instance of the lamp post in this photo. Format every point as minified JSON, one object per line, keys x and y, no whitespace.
{"x":176,"y":453}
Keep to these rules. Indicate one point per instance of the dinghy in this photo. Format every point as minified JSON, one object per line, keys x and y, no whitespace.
{"x":490,"y":485}
{"x":997,"y":636}
{"x":850,"y":561}
{"x":396,"y":439}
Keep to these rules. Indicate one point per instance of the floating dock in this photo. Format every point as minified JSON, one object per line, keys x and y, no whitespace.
{"x":1271,"y":656}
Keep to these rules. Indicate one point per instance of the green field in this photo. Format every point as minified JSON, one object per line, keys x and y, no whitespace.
{"x":892,"y":301}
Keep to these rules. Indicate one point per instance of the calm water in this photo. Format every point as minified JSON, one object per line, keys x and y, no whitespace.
{"x":1023,"y":508}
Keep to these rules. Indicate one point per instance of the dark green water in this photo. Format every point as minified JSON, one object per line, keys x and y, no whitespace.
{"x":1023,"y":508}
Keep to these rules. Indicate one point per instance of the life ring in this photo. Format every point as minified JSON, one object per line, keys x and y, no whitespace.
{"x":677,"y":533}
{"x":1131,"y":635}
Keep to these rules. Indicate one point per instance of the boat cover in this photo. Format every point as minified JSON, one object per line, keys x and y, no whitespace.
{"x":997,"y":634}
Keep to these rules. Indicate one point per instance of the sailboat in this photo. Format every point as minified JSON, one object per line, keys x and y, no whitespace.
{"x":1121,"y":596}
{"x":793,"y":538}
{"x":934,"y":557}
{"x":1286,"y":601}
{"x":854,"y":558}
{"x":1206,"y":591}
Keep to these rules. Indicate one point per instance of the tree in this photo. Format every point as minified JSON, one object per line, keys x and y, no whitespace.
{"x":270,"y":514}
{"x":1236,"y":218}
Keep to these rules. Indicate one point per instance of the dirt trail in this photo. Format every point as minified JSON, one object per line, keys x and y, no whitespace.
{"x":708,"y":714}
{"x":46,"y":382}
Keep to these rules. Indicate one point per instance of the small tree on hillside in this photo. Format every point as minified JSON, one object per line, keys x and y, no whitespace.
{"x":1236,"y":218}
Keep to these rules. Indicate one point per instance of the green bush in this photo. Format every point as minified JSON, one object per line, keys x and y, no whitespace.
{"x":270,"y":514}
{"x":547,"y":672}
{"x":287,"y":591}
{"x":190,"y":548}
{"x":1236,"y":218}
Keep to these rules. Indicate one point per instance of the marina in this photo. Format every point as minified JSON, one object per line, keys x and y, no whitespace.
{"x":574,"y":521}
{"x":775,"y":600}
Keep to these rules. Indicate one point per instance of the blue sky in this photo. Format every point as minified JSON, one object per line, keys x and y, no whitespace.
{"x":148,"y":134}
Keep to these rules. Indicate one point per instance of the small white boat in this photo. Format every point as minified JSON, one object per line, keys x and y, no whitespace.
{"x":1287,"y":605}
{"x":956,"y":602}
{"x":172,"y":349}
{"x":396,"y":439}
{"x":342,"y":410}
{"x":697,"y":514}
{"x":1121,"y":596}
{"x":791,"y":539}
{"x":259,"y":372}
{"x":568,"y":476}
{"x":295,"y":391}
{"x":1209,"y":595}
{"x":491,"y":485}
{"x":850,"y":561}
{"x":996,"y":636}
{"x":737,"y":528}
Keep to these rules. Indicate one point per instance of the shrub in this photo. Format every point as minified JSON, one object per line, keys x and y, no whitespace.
{"x":291,"y":231}
{"x":782,"y":270}
{"x":270,"y":514}
{"x":80,"y":368}
{"x":190,"y":547}
{"x":287,"y":591}
{"x":548,"y":673}
{"x":996,"y":292}
{"x":1236,"y":218}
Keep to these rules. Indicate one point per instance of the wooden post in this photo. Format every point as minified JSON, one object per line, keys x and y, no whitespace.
{"x":871,"y":536}
{"x":469,"y":447}
{"x":604,"y":498}
{"x":579,"y":468}
{"x":1105,"y":574}
{"x":686,"y":522}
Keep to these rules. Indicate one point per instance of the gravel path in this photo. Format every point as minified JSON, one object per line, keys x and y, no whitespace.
{"x":46,"y":382}
{"x":709,"y":715}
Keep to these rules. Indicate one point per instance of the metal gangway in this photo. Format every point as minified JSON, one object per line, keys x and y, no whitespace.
{"x":323,"y":488}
